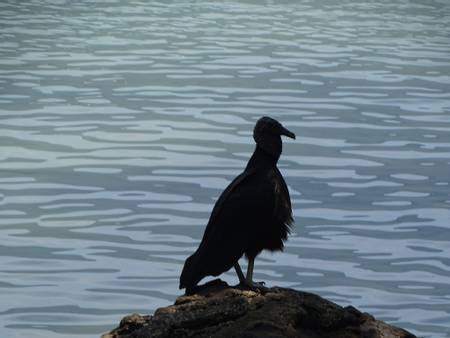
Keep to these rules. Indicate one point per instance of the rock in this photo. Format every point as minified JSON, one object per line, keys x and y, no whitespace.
{"x":223,"y":311}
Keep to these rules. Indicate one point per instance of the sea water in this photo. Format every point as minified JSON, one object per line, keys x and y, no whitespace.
{"x":122,"y":121}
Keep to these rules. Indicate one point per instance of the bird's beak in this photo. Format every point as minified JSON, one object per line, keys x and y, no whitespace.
{"x":287,"y":133}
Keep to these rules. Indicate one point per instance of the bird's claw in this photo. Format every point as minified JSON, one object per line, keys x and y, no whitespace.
{"x":255,"y":286}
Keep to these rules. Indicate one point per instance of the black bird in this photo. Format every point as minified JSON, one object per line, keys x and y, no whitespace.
{"x":252,"y":214}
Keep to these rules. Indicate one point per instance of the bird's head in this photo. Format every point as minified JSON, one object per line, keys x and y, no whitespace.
{"x":267,"y":135}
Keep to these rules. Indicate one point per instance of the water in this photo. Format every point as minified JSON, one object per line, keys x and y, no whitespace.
{"x":121,"y":123}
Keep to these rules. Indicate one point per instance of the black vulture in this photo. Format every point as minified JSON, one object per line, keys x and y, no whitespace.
{"x":252,"y":214}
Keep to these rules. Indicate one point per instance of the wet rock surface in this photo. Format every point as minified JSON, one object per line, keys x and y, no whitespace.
{"x":223,"y":311}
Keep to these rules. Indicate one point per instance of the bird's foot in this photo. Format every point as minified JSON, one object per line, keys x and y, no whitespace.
{"x":254,"y":286}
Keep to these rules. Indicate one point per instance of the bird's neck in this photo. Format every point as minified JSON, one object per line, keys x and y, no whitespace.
{"x":261,"y":157}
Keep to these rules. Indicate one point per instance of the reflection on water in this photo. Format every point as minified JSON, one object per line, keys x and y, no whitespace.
{"x":121,"y":123}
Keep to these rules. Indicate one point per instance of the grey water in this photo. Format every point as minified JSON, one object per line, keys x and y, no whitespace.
{"x":122,"y":121}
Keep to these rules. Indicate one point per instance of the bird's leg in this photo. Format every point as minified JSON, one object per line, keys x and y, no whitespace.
{"x":251,"y":264}
{"x":238,"y":269}
{"x":249,"y":279}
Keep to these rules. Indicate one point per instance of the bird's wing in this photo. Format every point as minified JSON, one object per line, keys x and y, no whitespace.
{"x":226,"y":194}
{"x":244,"y":203}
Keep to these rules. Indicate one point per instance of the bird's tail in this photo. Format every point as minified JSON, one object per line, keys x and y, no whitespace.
{"x":188,"y":275}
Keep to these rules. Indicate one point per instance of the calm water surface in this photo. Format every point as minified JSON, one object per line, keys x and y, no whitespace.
{"x":121,"y":123}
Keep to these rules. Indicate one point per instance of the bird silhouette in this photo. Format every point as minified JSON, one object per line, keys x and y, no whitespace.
{"x":252,"y":214}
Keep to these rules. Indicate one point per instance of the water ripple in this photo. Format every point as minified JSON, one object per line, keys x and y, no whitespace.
{"x":121,"y":123}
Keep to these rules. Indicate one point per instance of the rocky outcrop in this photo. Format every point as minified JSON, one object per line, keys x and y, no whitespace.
{"x":223,"y":311}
